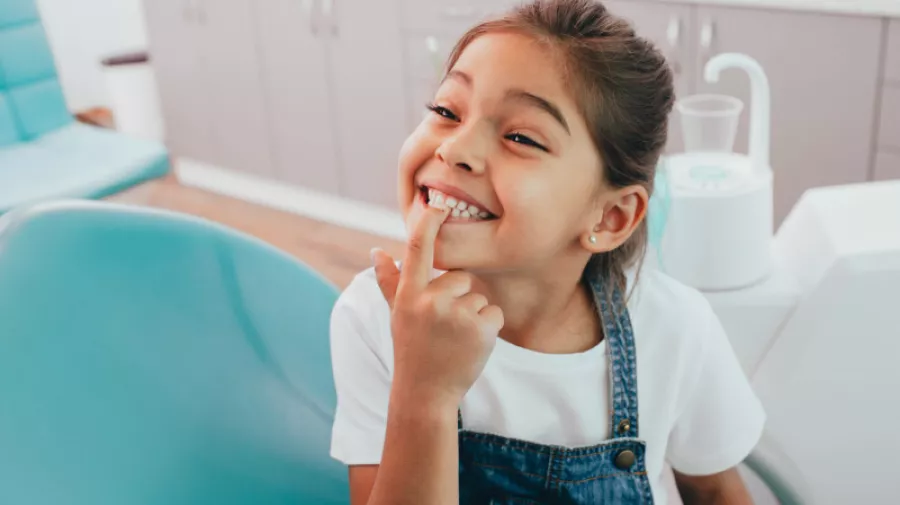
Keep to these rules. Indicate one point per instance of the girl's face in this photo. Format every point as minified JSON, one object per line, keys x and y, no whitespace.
{"x":504,"y":136}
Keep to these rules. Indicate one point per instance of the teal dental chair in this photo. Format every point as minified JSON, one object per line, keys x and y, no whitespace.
{"x":150,"y":358}
{"x":44,"y":155}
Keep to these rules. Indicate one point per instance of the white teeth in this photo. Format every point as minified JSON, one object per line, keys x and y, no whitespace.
{"x":458,"y":208}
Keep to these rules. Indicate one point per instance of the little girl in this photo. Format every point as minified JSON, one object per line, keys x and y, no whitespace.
{"x":518,"y":355}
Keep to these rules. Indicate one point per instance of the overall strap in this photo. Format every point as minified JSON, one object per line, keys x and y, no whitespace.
{"x":619,"y":336}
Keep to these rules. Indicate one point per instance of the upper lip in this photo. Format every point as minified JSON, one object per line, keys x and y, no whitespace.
{"x":456,"y":193}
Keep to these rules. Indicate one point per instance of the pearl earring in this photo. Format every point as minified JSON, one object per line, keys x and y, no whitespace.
{"x":592,"y":239}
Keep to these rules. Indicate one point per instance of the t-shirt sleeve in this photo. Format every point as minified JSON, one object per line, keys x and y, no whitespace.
{"x":362,"y":380}
{"x":721,"y":420}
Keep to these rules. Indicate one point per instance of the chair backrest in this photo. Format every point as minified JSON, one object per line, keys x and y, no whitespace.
{"x":31,"y":99}
{"x":150,"y":358}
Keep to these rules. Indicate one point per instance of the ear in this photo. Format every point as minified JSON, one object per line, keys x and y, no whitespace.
{"x":622,"y":212}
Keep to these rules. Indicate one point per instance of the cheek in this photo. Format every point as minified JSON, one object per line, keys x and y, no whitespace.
{"x":416,"y":151}
{"x":542,"y":212}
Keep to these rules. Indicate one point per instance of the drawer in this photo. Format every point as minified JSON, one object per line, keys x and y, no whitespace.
{"x":892,"y":64}
{"x":887,"y":166}
{"x":451,"y":18}
{"x":889,"y":130}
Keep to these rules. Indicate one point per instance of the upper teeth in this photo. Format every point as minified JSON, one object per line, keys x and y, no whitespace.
{"x":458,"y":208}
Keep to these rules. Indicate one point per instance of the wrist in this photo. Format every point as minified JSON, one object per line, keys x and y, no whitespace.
{"x":422,"y":403}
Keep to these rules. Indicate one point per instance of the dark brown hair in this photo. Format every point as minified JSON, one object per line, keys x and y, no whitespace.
{"x":621,"y":83}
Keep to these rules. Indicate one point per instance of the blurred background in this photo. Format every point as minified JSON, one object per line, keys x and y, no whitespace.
{"x":778,"y":196}
{"x":317,"y":95}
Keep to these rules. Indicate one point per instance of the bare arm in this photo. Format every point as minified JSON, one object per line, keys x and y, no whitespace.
{"x":420,"y":462}
{"x":443,"y":334}
{"x":725,"y":488}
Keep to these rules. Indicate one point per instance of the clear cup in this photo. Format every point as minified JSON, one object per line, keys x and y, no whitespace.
{"x":709,"y":122}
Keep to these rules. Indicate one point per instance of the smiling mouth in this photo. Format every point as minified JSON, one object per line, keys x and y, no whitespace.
{"x":461,"y":210}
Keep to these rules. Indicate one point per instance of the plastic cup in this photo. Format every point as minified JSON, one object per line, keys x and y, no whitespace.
{"x":709,"y":122}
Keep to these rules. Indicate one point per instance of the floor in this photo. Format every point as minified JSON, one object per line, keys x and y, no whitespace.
{"x":338,"y":253}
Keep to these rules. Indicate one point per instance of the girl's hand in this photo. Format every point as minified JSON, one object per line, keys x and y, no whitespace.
{"x":443,"y":333}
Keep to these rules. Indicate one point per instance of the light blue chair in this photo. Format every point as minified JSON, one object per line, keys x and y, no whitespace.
{"x":44,"y":154}
{"x":149,"y":358}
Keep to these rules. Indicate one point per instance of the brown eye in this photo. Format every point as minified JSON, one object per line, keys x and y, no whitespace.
{"x":442,"y":111}
{"x":522,"y":139}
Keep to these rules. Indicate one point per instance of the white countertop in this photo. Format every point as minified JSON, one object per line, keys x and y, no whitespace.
{"x":887,"y":8}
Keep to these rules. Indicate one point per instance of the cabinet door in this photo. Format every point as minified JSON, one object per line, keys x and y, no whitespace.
{"x":238,"y":116}
{"x":299,"y":103}
{"x":669,"y":27}
{"x":176,"y":54}
{"x":823,"y":73}
{"x":887,"y":166}
{"x":366,"y":52}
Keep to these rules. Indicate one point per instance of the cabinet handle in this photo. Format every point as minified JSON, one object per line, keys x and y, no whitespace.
{"x":188,"y":11}
{"x":310,"y":15}
{"x":673,"y":37}
{"x":328,"y":13}
{"x":706,"y":35}
{"x":433,"y":48}
{"x":201,"y":15}
{"x":461,"y":12}
{"x":673,"y":32}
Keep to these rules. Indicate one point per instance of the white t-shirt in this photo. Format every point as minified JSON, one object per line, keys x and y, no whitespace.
{"x":696,"y":408}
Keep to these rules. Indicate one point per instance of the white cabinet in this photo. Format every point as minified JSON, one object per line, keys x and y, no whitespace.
{"x":299,"y":101}
{"x":238,"y":117}
{"x":365,"y":54}
{"x":322,"y":93}
{"x":204,"y":55}
{"x":179,"y":62}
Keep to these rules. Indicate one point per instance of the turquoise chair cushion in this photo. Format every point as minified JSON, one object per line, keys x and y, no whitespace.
{"x":40,"y":108}
{"x":9,"y":132}
{"x":28,"y":72}
{"x":152,"y":358}
{"x":25,"y":56}
{"x":14,"y":12}
{"x":77,"y":161}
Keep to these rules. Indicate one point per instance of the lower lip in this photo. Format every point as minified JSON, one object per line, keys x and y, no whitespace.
{"x":451,"y":219}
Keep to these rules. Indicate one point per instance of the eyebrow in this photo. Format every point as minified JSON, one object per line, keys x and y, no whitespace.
{"x":458,"y":75}
{"x":518,"y":95}
{"x":541,"y":103}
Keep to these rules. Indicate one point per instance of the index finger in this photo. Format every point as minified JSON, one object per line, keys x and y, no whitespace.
{"x":419,"y":260}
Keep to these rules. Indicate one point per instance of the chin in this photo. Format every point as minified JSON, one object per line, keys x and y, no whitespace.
{"x":457,"y":258}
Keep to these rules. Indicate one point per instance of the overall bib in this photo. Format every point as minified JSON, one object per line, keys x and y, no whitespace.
{"x":495,"y":470}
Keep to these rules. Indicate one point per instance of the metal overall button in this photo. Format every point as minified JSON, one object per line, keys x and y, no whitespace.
{"x":625,"y":459}
{"x":624,"y":427}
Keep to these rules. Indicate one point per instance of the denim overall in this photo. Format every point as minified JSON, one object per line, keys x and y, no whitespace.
{"x":494,"y":470}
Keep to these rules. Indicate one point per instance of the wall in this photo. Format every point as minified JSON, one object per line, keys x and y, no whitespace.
{"x":81,"y":34}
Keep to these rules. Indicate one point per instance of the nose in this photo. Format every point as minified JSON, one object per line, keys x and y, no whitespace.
{"x":466,"y":149}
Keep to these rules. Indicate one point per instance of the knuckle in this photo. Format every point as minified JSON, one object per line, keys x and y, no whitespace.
{"x":460,"y":310}
{"x":462,"y":279}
